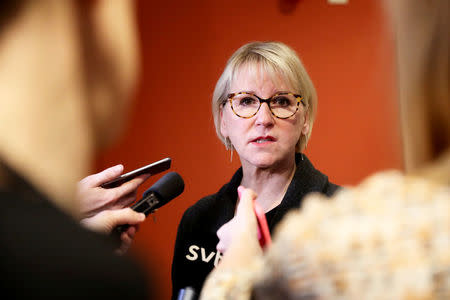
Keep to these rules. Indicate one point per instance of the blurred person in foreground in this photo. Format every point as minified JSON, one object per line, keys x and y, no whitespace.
{"x":264,"y":106}
{"x":387,"y":238}
{"x":67,"y":70}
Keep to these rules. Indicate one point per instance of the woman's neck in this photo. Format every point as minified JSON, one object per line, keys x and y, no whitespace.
{"x":270,"y":184}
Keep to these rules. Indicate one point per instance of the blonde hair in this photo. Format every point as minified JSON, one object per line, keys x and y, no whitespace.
{"x":275,"y":58}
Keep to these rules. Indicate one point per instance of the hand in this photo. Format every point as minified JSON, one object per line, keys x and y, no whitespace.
{"x":105,"y":221}
{"x":93,"y":198}
{"x":238,"y":239}
{"x":242,"y":259}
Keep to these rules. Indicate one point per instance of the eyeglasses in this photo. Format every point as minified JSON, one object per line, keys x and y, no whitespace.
{"x":281,"y":105}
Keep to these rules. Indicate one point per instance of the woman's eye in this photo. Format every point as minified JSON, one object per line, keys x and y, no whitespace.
{"x":281,"y":101}
{"x":247,"y":101}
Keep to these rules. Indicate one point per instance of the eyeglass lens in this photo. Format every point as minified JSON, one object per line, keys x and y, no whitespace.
{"x":247,"y":105}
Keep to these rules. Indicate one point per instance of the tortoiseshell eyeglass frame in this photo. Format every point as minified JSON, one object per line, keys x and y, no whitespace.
{"x":261,"y":101}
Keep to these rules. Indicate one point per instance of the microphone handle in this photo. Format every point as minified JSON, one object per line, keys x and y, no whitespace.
{"x":117,"y":232}
{"x":146,"y":205}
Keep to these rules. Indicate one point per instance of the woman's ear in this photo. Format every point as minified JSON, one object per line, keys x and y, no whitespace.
{"x":305,"y":126}
{"x":223,"y":123}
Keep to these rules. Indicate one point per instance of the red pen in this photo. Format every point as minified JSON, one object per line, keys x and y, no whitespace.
{"x":263,"y":230}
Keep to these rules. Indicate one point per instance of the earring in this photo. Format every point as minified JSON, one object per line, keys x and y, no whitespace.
{"x":229,"y":146}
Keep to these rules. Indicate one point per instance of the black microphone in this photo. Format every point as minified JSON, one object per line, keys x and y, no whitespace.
{"x":165,"y":189}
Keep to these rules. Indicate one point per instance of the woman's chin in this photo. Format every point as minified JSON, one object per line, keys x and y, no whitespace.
{"x":263,"y":161}
{"x":268,"y":160}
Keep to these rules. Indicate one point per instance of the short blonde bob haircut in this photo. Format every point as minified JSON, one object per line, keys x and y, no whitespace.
{"x":277,"y":59}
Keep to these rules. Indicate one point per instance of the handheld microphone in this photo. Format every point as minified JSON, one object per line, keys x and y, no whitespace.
{"x":165,"y":189}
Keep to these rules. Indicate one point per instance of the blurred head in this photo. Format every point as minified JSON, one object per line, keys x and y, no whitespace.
{"x":67,"y":71}
{"x":422,"y":36}
{"x":95,"y":45}
{"x":110,"y":56}
{"x":281,"y":64}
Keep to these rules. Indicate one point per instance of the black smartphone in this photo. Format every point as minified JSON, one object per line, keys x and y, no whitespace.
{"x":153,"y":168}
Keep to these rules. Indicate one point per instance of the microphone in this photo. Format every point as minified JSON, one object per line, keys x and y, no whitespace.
{"x":165,"y":189}
{"x":188,"y":293}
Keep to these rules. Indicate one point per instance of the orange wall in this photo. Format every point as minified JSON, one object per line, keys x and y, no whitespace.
{"x":348,"y":51}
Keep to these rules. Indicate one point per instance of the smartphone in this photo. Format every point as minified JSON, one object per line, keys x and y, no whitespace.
{"x":263,"y":230}
{"x":153,"y":168}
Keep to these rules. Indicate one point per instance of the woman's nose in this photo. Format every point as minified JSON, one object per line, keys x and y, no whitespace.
{"x":264,"y":116}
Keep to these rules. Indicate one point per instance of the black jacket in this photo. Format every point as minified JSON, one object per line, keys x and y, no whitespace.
{"x":195,"y":251}
{"x":45,"y":254}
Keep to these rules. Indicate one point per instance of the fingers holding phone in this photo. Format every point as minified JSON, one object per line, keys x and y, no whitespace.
{"x":125,"y":194}
{"x":103,"y":176}
{"x":93,"y":198}
{"x":110,"y":189}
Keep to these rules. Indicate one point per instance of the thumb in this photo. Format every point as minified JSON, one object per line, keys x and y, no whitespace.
{"x":106,"y":220}
{"x":126,"y":216}
{"x":105,"y":175}
{"x":245,"y":206}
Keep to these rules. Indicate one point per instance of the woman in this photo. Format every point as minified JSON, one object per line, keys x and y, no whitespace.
{"x":387,"y":238}
{"x":264,"y":106}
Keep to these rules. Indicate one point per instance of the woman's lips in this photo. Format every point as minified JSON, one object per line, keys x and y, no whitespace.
{"x":261,"y":140}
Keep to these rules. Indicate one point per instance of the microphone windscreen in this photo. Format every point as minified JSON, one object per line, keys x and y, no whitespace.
{"x":168,"y":187}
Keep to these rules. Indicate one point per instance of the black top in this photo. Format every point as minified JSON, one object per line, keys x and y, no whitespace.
{"x":195,"y":249}
{"x":45,"y":254}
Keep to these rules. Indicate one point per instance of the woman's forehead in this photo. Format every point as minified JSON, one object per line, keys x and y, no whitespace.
{"x":258,"y":73}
